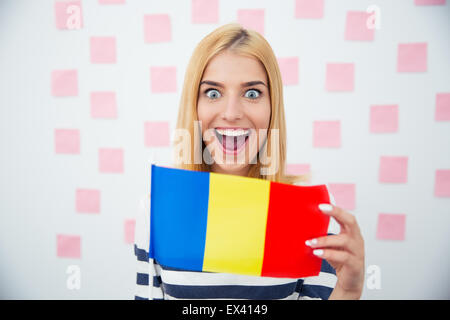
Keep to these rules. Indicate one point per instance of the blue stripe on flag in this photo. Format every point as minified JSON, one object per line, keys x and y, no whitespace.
{"x":179,"y":212}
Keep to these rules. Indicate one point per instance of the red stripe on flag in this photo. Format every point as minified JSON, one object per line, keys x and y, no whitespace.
{"x":293,"y":217}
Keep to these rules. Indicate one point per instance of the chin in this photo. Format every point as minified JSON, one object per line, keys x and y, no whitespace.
{"x":231,"y":167}
{"x":234,"y":169}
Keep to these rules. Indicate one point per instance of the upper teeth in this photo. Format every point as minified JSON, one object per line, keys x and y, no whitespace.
{"x":233,"y":132}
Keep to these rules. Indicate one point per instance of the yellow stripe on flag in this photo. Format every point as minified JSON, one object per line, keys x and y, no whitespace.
{"x":236,"y":227}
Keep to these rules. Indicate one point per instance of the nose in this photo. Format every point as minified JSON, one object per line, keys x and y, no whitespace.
{"x":233,"y":109}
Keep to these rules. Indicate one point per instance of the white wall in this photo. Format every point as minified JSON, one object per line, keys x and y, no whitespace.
{"x":38,"y":186}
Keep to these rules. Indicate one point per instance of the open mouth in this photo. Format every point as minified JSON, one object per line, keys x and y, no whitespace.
{"x":232,"y":140}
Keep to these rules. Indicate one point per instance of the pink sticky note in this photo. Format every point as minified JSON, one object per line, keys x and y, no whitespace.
{"x":393,"y":169}
{"x":205,"y":11}
{"x":442,"y":112}
{"x":156,"y":134}
{"x":442,"y":183}
{"x":251,"y":19}
{"x":327,"y":134}
{"x":157,"y":28}
{"x":289,"y":70}
{"x":68,"y":246}
{"x":64,"y":83}
{"x":299,"y":169}
{"x":129,"y":226}
{"x":340,"y":77}
{"x":87,"y":201}
{"x":163,"y":79}
{"x":383,"y":118}
{"x":391,"y":226}
{"x":110,"y":160}
{"x":103,"y":49}
{"x":68,"y":14}
{"x":111,"y":1}
{"x":103,"y":104}
{"x":67,"y":141}
{"x":356,"y":26}
{"x":309,"y":9}
{"x":344,"y":194}
{"x":428,"y":2}
{"x":412,"y":57}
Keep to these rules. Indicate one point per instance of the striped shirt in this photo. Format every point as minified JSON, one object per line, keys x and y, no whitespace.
{"x":155,"y":282}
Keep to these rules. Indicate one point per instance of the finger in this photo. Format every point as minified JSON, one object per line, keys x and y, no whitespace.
{"x":345,"y":219}
{"x":333,"y":256}
{"x":341,"y":241}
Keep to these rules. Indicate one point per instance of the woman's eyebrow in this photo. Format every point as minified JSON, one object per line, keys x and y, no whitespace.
{"x":245,"y":84}
{"x":212,"y":83}
{"x":252,"y":83}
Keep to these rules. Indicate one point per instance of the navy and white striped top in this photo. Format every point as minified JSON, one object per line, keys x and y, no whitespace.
{"x":154,"y":281}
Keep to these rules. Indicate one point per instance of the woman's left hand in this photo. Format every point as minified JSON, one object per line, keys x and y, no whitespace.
{"x":344,"y":252}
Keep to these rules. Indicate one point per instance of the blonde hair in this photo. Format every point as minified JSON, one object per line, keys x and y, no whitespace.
{"x":245,"y":42}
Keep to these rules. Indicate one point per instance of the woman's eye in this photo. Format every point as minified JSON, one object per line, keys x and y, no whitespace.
{"x":213,"y":94}
{"x":252,"y":94}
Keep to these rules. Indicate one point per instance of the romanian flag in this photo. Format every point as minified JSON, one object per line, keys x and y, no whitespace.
{"x":205,"y":221}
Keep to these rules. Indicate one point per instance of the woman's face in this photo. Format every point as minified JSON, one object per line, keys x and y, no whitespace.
{"x":233,"y":104}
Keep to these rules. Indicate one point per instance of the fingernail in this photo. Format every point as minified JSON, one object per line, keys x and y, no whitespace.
{"x":311,"y":242}
{"x":318,"y":252}
{"x":325,"y":207}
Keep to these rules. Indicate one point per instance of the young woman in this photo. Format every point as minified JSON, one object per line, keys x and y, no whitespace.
{"x":232,"y":92}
